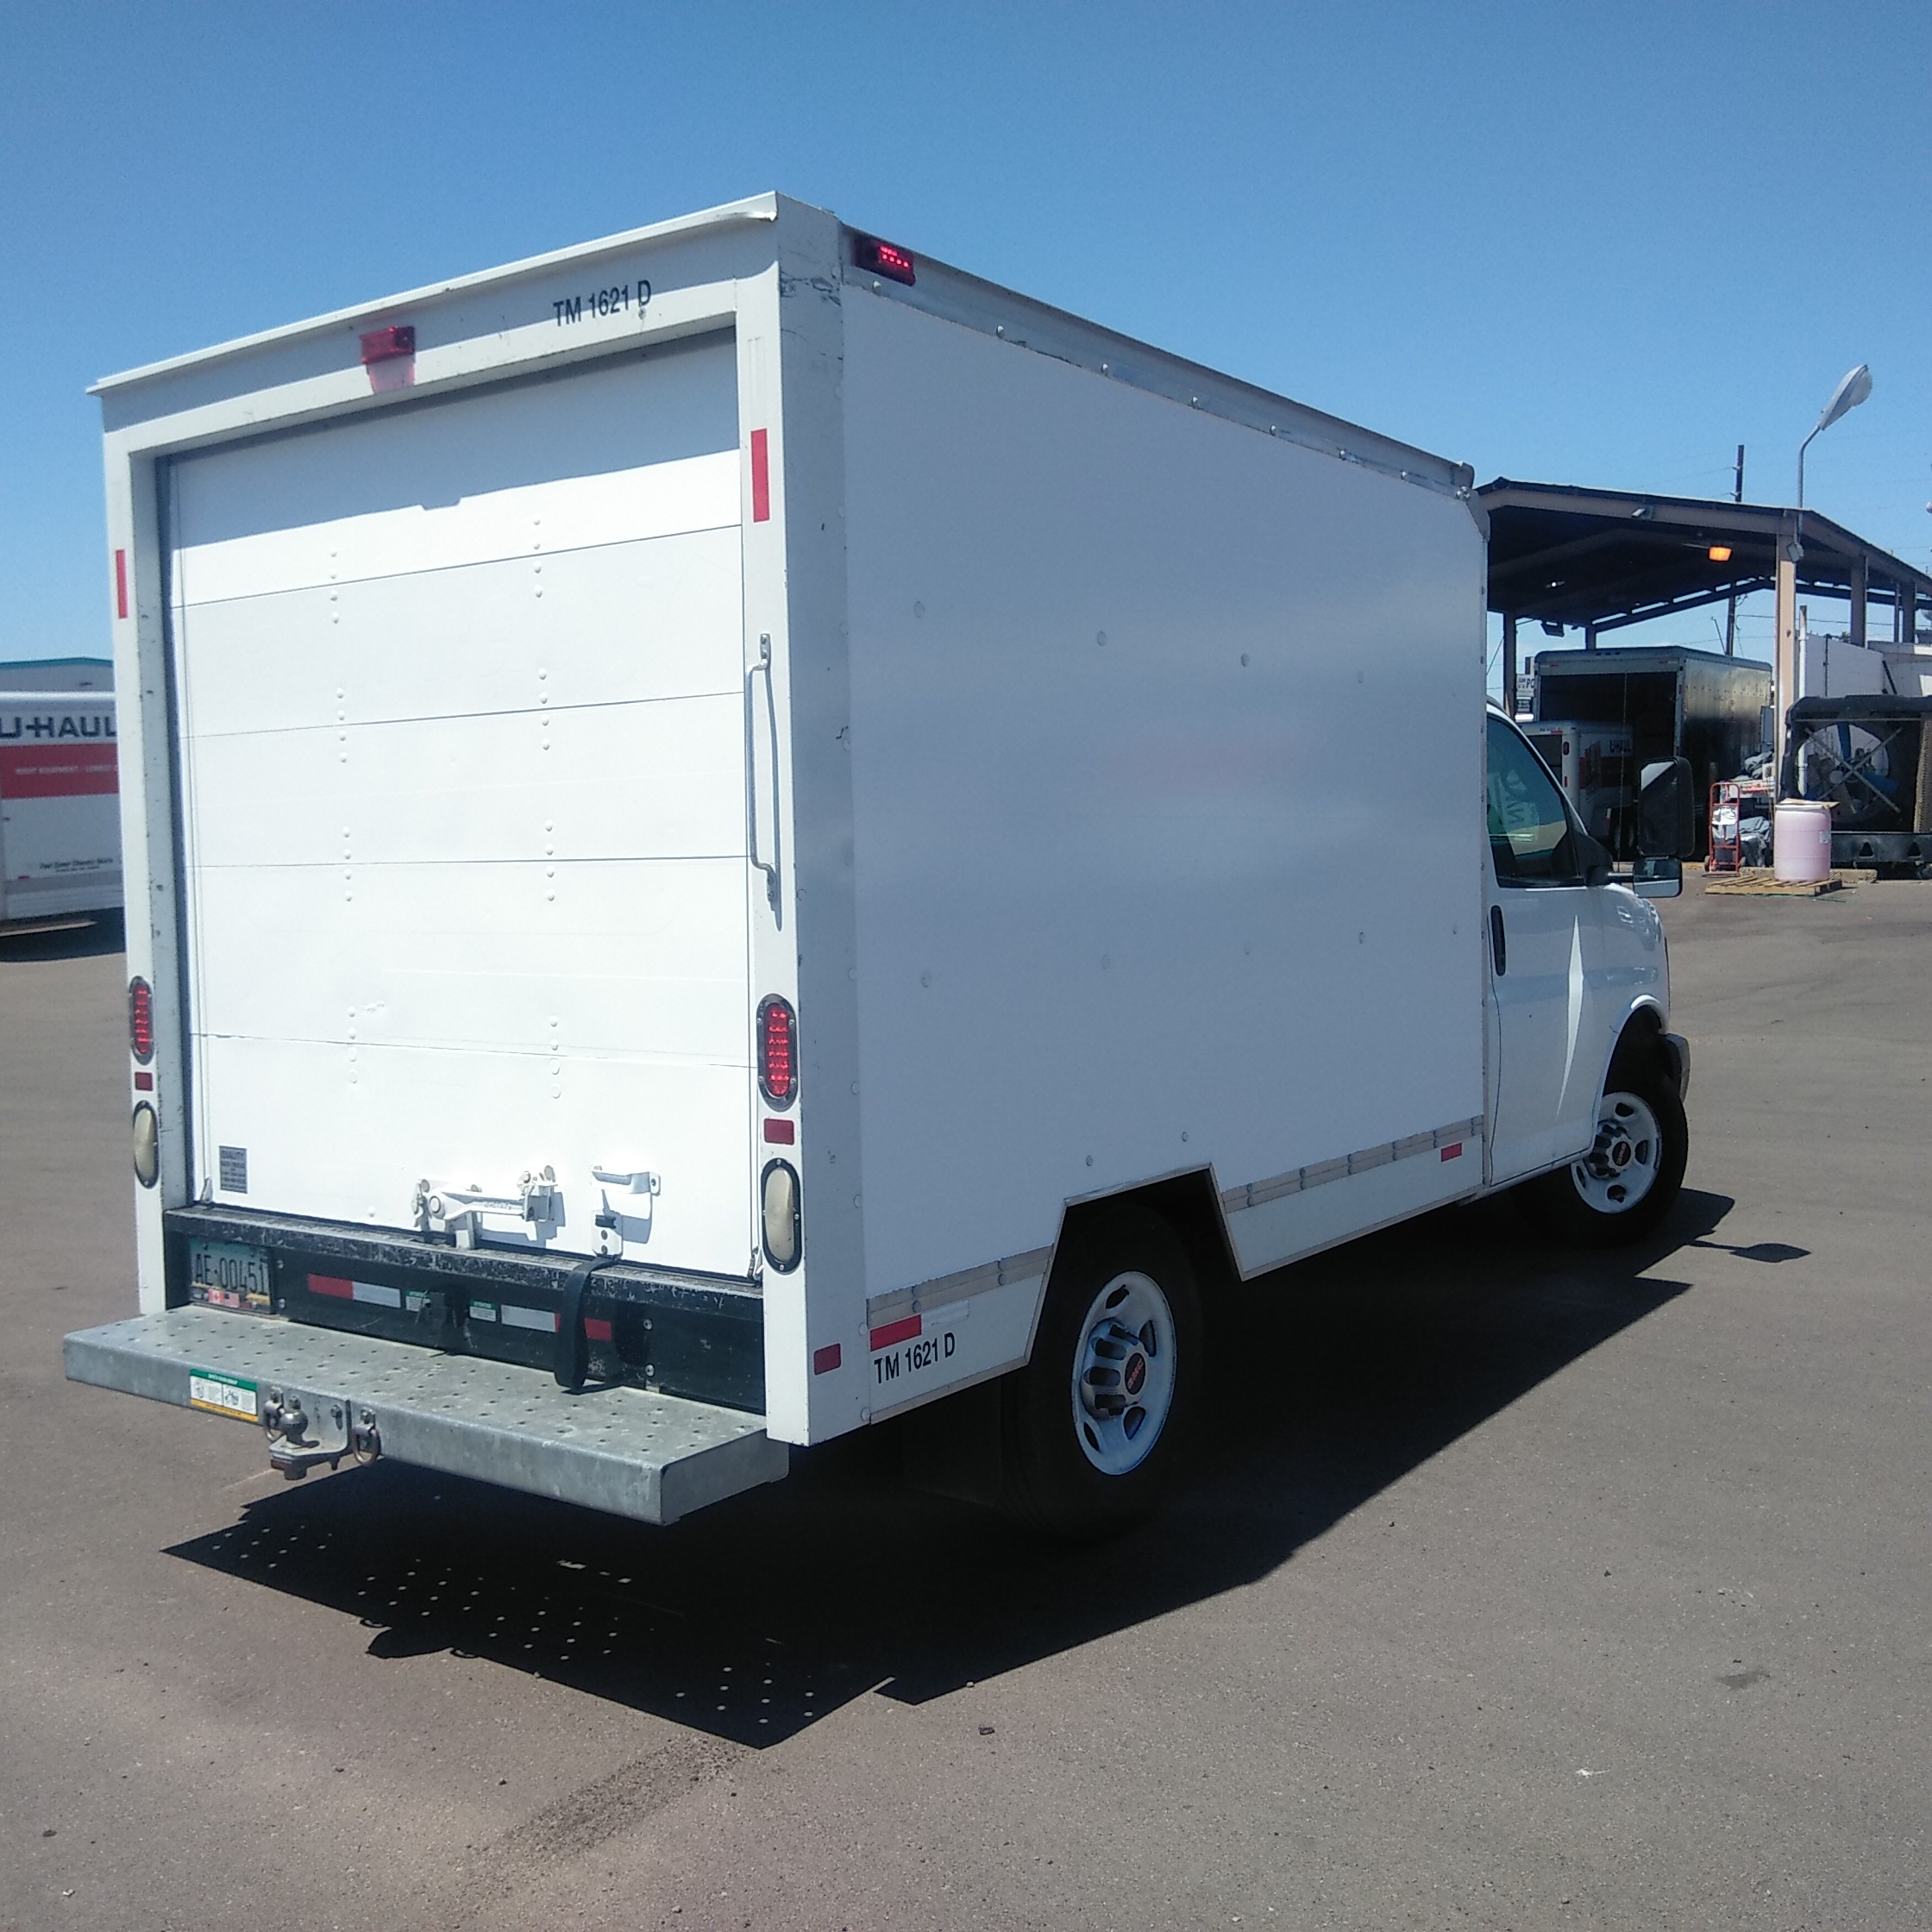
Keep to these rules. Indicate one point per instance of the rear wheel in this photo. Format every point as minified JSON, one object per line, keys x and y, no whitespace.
{"x":1093,"y":1426}
{"x":1626,"y":1184}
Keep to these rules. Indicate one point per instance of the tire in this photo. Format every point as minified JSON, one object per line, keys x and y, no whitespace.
{"x":1120,"y":1338}
{"x":1631,"y":1177}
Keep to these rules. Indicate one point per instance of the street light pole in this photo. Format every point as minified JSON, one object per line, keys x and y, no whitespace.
{"x":1853,"y":389}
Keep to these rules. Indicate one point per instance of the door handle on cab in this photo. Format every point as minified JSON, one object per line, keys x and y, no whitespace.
{"x":1499,"y":943}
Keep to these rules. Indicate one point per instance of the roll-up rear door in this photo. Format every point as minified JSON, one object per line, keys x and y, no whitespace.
{"x":460,"y":696}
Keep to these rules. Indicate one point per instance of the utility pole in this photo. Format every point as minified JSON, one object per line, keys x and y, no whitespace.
{"x":1730,"y":612}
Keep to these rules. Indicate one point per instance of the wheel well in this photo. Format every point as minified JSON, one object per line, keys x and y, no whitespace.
{"x":1189,"y":1204}
{"x":1641,"y":1046}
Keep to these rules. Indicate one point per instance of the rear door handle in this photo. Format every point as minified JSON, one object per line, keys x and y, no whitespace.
{"x":768,"y":867}
{"x":1499,"y":944}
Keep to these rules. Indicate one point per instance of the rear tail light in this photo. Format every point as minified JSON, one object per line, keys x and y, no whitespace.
{"x":779,"y":1193}
{"x":141,"y":1019}
{"x":148,"y":1145}
{"x":778,"y":1050}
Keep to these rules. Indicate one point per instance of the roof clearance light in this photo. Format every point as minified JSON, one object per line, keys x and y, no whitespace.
{"x":778,"y":1060}
{"x":384,"y":345}
{"x":1719,"y":553}
{"x":141,"y":1019}
{"x":883,"y":258}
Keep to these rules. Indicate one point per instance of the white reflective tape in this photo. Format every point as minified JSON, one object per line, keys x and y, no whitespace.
{"x":530,"y":1318}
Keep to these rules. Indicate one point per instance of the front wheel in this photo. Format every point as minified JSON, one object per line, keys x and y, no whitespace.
{"x":1092,"y":1427}
{"x":1626,"y":1184}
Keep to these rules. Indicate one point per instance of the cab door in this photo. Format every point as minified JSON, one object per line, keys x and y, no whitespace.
{"x":1543,"y":939}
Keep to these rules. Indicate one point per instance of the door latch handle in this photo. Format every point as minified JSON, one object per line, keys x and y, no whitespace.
{"x":1499,"y":944}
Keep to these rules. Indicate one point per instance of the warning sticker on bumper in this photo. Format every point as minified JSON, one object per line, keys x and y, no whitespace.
{"x":223,"y":1394}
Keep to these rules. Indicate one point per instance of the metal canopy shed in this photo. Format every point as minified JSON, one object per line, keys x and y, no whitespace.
{"x":1601,"y":558}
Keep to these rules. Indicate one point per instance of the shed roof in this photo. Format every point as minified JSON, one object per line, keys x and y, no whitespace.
{"x":1605,"y":558}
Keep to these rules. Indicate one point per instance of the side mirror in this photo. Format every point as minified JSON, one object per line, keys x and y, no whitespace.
{"x":1658,"y":878}
{"x":1667,"y":810}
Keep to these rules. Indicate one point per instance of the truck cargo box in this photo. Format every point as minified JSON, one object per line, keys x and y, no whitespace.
{"x":701,"y":799}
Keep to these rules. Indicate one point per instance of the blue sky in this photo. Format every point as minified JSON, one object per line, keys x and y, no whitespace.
{"x":1575,"y":242}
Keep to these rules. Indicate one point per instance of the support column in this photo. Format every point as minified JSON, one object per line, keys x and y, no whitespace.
{"x":1510,"y":663}
{"x":1784,"y":665}
{"x":1589,"y":636}
{"x":1861,"y":584}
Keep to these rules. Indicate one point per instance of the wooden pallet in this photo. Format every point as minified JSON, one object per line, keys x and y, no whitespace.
{"x":1758,"y":882}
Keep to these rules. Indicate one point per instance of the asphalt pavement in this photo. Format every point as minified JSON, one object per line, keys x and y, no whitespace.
{"x":1513,"y":1588}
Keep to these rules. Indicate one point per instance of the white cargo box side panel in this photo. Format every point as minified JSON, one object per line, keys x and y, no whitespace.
{"x":1167,"y":778}
{"x":461,"y":701}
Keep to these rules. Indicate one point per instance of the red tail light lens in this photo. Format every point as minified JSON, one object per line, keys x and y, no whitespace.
{"x":141,"y":1019}
{"x":778,"y":1050}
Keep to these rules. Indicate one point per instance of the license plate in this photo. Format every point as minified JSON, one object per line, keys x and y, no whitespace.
{"x":226,"y":1274}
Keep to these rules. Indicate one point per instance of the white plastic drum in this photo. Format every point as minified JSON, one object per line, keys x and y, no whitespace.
{"x":1801,"y":842}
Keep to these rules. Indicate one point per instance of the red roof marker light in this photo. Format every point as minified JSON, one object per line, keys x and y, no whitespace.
{"x":384,"y":345}
{"x":883,"y":258}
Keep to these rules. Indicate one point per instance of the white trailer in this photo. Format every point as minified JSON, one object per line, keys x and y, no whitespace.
{"x":742,"y":832}
{"x":60,"y":821}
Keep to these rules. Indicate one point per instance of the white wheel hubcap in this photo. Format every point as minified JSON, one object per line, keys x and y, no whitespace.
{"x":1622,"y":1167}
{"x":1123,"y":1374}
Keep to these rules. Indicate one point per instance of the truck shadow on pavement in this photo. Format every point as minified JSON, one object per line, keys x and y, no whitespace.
{"x":753,"y":1619}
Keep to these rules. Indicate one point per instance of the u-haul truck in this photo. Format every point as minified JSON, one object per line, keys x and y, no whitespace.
{"x":740,"y":832}
{"x":60,"y":817}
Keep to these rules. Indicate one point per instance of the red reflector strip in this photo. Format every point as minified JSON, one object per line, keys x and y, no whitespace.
{"x":144,"y":1083}
{"x":826,"y":1359}
{"x":761,"y":478}
{"x":780,"y":1132}
{"x":376,"y":1294}
{"x":596,"y":1330}
{"x":895,"y":1331}
{"x":121,"y":583}
{"x":1453,"y":1151}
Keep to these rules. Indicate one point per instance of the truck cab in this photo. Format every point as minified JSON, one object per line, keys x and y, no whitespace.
{"x":1586,"y":1086}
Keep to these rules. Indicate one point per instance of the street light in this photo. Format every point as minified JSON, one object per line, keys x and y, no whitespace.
{"x":1849,"y":393}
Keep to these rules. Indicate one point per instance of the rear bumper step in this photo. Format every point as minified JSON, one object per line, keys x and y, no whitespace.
{"x":629,"y":1451}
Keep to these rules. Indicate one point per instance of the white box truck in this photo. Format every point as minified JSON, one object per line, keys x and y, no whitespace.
{"x":740,"y":832}
{"x":60,"y":819}
{"x":1596,"y":767}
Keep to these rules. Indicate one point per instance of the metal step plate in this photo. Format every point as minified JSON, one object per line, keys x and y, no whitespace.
{"x":629,"y":1451}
